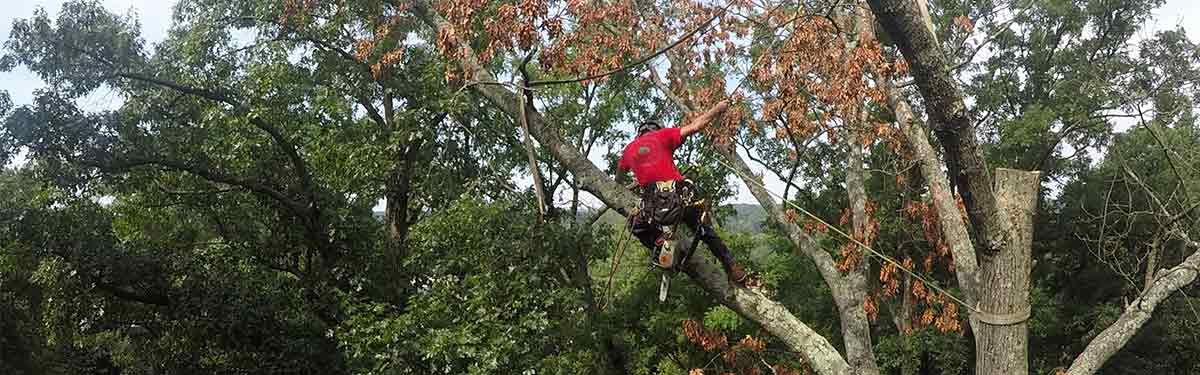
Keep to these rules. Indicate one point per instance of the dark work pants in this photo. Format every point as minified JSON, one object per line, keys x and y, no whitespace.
{"x":692,"y":216}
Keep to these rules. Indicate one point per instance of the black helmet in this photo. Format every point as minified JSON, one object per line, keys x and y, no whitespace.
{"x":648,"y":126}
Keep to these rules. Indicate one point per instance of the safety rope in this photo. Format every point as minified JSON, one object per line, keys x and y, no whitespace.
{"x":983,"y":316}
{"x":613,"y":269}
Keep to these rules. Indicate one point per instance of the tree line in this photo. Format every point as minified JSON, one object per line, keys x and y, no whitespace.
{"x":993,"y":187}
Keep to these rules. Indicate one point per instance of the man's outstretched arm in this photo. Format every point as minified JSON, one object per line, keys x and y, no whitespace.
{"x":700,"y":122}
{"x":622,"y":173}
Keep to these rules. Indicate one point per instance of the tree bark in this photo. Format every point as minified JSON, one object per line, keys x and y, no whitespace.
{"x":772,"y":316}
{"x":905,"y":23}
{"x":856,"y":328}
{"x":1002,"y":347}
{"x":397,"y":189}
{"x":954,"y":230}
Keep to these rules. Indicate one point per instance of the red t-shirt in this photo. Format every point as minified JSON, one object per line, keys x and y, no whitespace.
{"x":651,"y":156}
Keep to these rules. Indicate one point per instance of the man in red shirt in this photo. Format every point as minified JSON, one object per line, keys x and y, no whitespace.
{"x":651,"y":158}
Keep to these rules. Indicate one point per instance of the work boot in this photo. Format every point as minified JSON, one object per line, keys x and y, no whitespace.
{"x":737,"y":275}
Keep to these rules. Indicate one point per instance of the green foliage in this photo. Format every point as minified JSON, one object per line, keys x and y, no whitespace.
{"x":925,"y":351}
{"x":487,"y":297}
{"x":220,"y":220}
{"x":722,"y":318}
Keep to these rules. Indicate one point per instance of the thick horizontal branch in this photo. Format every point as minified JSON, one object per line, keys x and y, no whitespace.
{"x":212,"y":175}
{"x":127,"y":293}
{"x":227,"y":97}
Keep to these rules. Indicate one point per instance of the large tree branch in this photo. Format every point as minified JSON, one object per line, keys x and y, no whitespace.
{"x":306,"y":180}
{"x":1136,"y":314}
{"x":773,"y":317}
{"x":948,"y":113}
{"x":524,"y":108}
{"x":124,"y":292}
{"x":591,"y":178}
{"x":769,"y":314}
{"x":372,"y":112}
{"x":854,"y":320}
{"x":214,"y":175}
{"x":210,"y":94}
{"x":803,"y":241}
{"x":127,"y":293}
{"x":954,"y":230}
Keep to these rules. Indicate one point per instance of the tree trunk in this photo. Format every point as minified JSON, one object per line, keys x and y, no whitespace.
{"x":856,"y":329}
{"x":396,"y":192}
{"x":1002,"y":344}
{"x":948,"y":115}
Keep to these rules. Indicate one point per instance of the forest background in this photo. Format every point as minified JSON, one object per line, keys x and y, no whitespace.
{"x":393,"y":187}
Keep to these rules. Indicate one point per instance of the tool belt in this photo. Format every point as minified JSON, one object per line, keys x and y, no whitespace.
{"x":664,"y":203}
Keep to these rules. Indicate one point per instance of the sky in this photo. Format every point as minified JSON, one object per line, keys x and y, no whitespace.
{"x":155,"y":19}
{"x":154,"y":16}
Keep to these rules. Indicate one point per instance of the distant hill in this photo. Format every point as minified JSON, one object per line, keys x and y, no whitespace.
{"x":747,"y":218}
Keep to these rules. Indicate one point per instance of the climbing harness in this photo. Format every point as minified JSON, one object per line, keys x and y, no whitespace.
{"x":990,"y":318}
{"x":664,"y":208}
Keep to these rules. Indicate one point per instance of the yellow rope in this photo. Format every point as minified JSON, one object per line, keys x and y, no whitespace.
{"x":889,"y":259}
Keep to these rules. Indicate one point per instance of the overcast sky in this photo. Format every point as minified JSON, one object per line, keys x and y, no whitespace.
{"x":155,"y":18}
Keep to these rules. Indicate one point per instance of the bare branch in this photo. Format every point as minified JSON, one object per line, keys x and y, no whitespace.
{"x":640,"y":61}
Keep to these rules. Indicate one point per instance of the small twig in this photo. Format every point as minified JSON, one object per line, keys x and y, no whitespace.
{"x":638,"y":62}
{"x":525,"y":101}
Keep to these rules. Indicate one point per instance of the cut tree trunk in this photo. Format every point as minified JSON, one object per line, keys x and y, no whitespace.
{"x":1001,"y":345}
